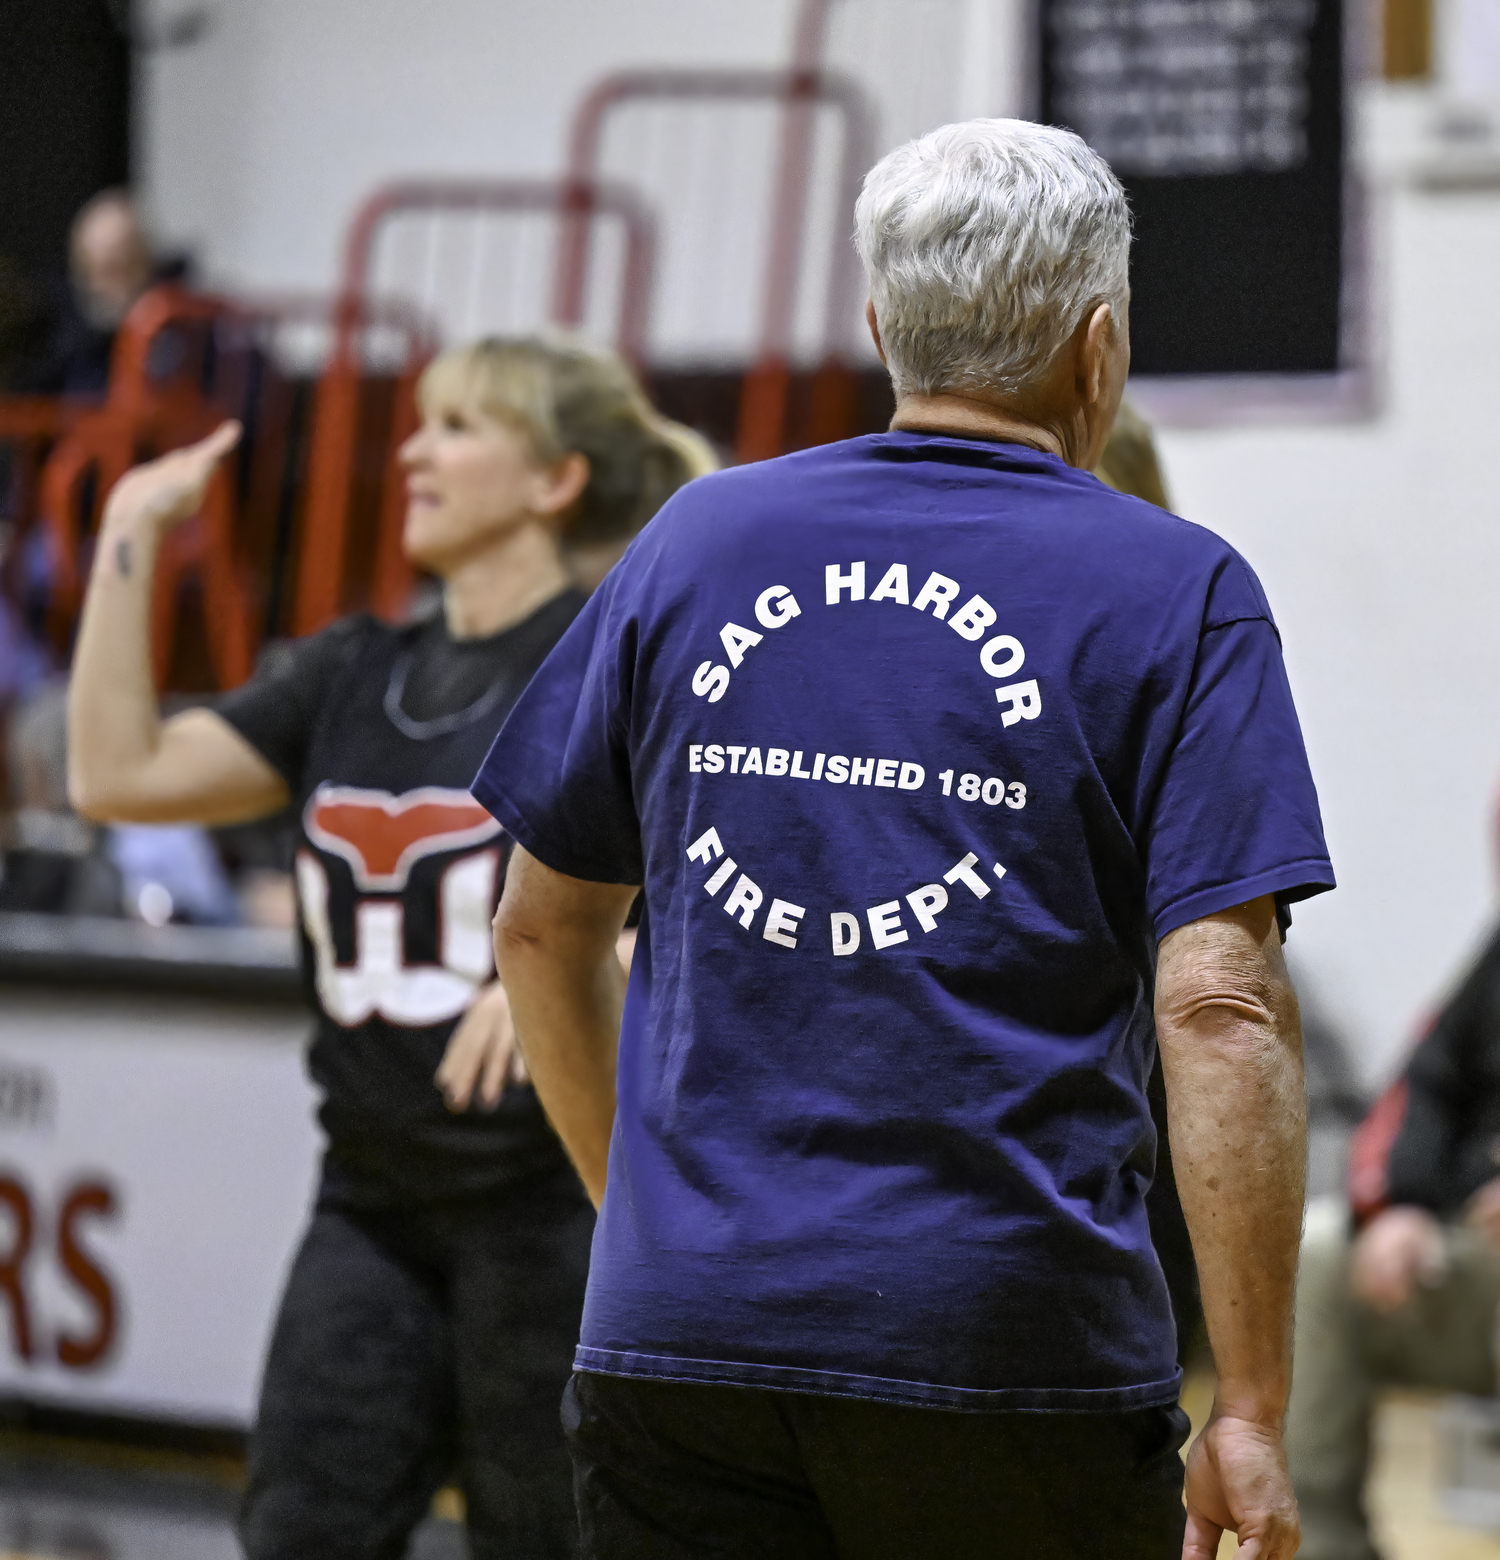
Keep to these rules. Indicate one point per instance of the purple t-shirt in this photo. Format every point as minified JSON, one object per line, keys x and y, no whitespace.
{"x":919,"y":745}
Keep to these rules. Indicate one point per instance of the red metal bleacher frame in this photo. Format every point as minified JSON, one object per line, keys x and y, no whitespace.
{"x":146,"y":413}
{"x":763,"y":403}
{"x":323,"y":567}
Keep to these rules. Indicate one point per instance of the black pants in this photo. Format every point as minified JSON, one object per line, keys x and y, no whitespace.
{"x":667,"y":1470}
{"x":410,"y":1344}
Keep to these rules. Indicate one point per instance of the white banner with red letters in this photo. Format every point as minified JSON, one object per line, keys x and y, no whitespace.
{"x":157,"y":1158}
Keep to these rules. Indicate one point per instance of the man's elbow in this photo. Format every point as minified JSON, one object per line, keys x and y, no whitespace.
{"x":519,"y":937}
{"x":1250,"y":1021}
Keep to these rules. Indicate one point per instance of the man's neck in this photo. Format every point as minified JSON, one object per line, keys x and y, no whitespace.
{"x":971,"y":417}
{"x":504,"y":584}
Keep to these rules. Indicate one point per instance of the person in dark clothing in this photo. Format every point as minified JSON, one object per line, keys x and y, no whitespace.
{"x":430,"y":1314}
{"x":1402,"y":1287}
{"x":110,"y":264}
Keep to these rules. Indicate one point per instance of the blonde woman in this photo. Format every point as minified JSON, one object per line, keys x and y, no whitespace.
{"x":431,"y":1312}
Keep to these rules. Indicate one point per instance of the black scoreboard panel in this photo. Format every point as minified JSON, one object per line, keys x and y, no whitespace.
{"x":1225,"y":121}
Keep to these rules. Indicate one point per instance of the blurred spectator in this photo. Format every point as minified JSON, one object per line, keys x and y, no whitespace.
{"x":1337,"y":1099}
{"x":52,"y":860}
{"x":58,"y":863}
{"x":1129,"y":464}
{"x":1405,"y":1289}
{"x":24,"y":661}
{"x":171,"y":872}
{"x":110,"y":265}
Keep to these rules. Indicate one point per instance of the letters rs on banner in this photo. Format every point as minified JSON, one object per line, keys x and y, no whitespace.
{"x":157,"y":1155}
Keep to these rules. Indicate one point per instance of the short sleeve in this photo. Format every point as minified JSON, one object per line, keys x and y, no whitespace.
{"x":558,"y":776}
{"x":1236,"y":814}
{"x":276,"y":710}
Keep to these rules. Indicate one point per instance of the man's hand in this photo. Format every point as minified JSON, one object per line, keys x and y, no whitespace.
{"x":1483,"y":1214}
{"x":481,"y":1050}
{"x":1237,"y":1482}
{"x":1394,"y":1253}
{"x":164,"y":492}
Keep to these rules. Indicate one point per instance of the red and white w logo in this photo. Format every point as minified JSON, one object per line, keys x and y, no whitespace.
{"x":382,"y":837}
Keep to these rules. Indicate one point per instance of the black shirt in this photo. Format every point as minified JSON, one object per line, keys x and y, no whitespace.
{"x":377,"y":732}
{"x":1448,"y":1144}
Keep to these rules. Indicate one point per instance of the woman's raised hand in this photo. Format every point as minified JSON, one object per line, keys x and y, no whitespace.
{"x":166,"y":491}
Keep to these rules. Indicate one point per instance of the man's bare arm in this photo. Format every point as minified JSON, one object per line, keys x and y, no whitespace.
{"x":1231,"y":1044}
{"x":555,"y":942}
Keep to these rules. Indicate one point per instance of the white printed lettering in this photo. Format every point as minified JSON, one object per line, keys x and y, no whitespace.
{"x":781,"y":923}
{"x":838,"y":769}
{"x":892,"y":586}
{"x":912,"y":777}
{"x":885,"y":773}
{"x":744,"y":901}
{"x":752,"y":763}
{"x":1020,"y":701}
{"x":1015,"y":795}
{"x":737,"y":641}
{"x":817,"y":773}
{"x":992,"y":790}
{"x":834,"y":583}
{"x":695,"y":756}
{"x":972,"y":618}
{"x":713,"y":758}
{"x":861,"y":771}
{"x":1015,"y":656}
{"x":706,"y":847}
{"x":720,"y":877}
{"x":926,"y":903}
{"x":885,"y":924}
{"x":965,"y":870}
{"x":999,"y":871}
{"x":712,"y":680}
{"x":466,"y":902}
{"x":776,"y":607}
{"x":776,"y":761}
{"x":734,"y":759}
{"x":798,"y":772}
{"x":845,"y":929}
{"x":937,"y":593}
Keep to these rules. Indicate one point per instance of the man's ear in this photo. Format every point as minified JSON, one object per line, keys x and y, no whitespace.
{"x":874,"y":325}
{"x":559,"y":487}
{"x":1097,"y":341}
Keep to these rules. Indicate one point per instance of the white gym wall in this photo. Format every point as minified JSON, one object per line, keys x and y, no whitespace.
{"x":1378,"y":538}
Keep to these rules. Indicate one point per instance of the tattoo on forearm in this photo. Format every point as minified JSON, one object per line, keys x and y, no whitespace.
{"x":123,"y":558}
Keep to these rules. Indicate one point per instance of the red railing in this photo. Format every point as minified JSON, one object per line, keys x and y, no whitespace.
{"x":763,"y":403}
{"x":156,"y":402}
{"x":324,"y":573}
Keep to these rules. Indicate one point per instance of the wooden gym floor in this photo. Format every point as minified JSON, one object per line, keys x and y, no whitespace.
{"x":1408,"y":1525}
{"x":66,"y":1499}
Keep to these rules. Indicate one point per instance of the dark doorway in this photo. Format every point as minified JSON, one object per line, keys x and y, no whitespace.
{"x":64,"y":124}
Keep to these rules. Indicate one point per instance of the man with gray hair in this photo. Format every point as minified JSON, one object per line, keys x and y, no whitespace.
{"x":943,"y":767}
